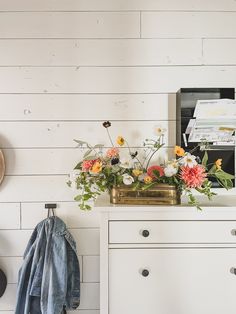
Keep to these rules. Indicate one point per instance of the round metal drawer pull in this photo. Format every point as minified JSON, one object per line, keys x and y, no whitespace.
{"x":145,"y":233}
{"x":233,"y":270}
{"x":145,"y":273}
{"x":233,"y":232}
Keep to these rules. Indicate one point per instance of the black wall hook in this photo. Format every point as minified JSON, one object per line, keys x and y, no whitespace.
{"x":50,"y":207}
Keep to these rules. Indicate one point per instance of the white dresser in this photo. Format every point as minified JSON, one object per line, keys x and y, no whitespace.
{"x":168,"y":260}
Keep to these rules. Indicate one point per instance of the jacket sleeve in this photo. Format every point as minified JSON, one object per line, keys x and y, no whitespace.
{"x":31,"y":242}
{"x":54,"y":283}
{"x":73,"y":275}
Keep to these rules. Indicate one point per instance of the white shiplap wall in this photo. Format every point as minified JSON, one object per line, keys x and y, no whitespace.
{"x":67,"y":65}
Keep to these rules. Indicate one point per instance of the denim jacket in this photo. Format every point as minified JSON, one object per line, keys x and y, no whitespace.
{"x":49,"y":279}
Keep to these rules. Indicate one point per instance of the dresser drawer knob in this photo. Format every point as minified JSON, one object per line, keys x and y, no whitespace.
{"x":233,"y":270}
{"x":145,"y":273}
{"x":145,"y":233}
{"x":233,"y":232}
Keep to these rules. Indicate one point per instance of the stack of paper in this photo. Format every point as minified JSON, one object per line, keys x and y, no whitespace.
{"x":215,"y":109}
{"x":214,"y":121}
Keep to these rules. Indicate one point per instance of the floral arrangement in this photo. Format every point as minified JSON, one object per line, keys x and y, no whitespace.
{"x":101,"y":169}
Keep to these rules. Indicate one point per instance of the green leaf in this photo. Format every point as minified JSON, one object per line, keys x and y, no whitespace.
{"x":223,"y":175}
{"x":175,"y":180}
{"x":119,"y":180}
{"x":87,"y":153}
{"x":90,"y":157}
{"x":147,"y":186}
{"x":78,"y":198}
{"x":87,"y":197}
{"x":192,"y":198}
{"x":205,"y":159}
{"x":81,"y":206}
{"x":107,"y":171}
{"x":136,"y":186}
{"x":81,"y":142}
{"x":156,"y":173}
{"x":78,"y":166}
{"x":212,"y":170}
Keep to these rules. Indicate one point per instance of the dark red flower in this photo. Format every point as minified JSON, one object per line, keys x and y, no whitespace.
{"x":106,"y":124}
{"x":151,"y":171}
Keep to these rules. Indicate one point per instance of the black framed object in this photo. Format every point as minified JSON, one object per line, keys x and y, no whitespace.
{"x":185,"y":105}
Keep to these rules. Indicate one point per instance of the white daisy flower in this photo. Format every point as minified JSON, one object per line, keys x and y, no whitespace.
{"x":159,"y":130}
{"x":127,"y":179}
{"x":126,"y":163}
{"x":170,"y":170}
{"x":188,"y":160}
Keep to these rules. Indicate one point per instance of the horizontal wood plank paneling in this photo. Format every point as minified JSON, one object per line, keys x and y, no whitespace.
{"x":110,"y":5}
{"x":89,"y":296}
{"x":52,"y":161}
{"x":219,"y":51}
{"x":11,"y":266}
{"x":69,"y":212}
{"x":70,"y":25}
{"x":35,"y":189}
{"x":13,"y":242}
{"x":119,"y":52}
{"x":114,"y":79}
{"x":12,"y":219}
{"x":68,"y":65}
{"x":8,"y":300}
{"x":61,"y":134}
{"x":87,"y":107}
{"x":87,"y":241}
{"x":44,"y":189}
{"x":79,"y":312}
{"x":84,"y":312}
{"x":58,"y":161}
{"x":91,"y":272}
{"x":188,"y":25}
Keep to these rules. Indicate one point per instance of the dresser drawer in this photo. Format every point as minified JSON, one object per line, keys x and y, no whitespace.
{"x":176,"y":281}
{"x":172,"y":232}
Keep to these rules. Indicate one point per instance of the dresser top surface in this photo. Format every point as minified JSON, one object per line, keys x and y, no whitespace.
{"x":220,"y":208}
{"x":217,"y":201}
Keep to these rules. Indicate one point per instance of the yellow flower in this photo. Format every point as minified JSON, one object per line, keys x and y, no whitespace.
{"x":120,"y":140}
{"x":218,"y":163}
{"x":147,"y":179}
{"x":137,"y":172}
{"x":97,"y":167}
{"x":179,"y":151}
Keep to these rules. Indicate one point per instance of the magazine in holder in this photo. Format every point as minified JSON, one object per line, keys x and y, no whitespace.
{"x":208,"y":115}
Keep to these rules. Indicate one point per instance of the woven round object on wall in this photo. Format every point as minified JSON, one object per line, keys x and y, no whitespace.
{"x":2,"y":166}
{"x":3,"y":282}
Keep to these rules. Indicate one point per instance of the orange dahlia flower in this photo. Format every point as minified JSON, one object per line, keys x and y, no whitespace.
{"x":193,"y":177}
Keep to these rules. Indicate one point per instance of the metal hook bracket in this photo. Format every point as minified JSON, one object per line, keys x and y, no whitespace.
{"x":50,"y":208}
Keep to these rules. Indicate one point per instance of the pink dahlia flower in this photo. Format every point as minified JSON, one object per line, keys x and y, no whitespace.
{"x":153,"y":168}
{"x":112,"y":152}
{"x":87,"y":164}
{"x":193,"y":177}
